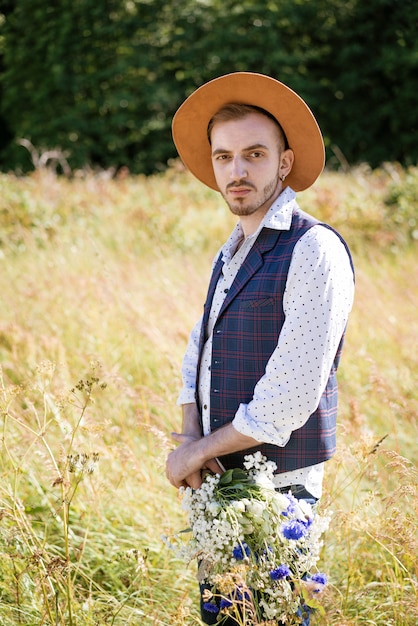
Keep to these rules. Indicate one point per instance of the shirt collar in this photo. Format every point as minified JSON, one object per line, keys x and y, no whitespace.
{"x":278,"y":217}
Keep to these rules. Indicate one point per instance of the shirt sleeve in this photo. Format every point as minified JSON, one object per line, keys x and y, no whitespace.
{"x":190,"y":360}
{"x":317,"y":301}
{"x":189,"y":367}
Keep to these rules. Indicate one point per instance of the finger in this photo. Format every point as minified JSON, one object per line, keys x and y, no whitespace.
{"x":182,"y":438}
{"x":194,"y":480}
{"x":214,"y":466}
{"x":177,"y":484}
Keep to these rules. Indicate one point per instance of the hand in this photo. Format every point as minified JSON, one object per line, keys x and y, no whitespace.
{"x":185,"y":464}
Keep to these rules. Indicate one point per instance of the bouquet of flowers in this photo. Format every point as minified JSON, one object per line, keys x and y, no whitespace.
{"x":256,"y":547}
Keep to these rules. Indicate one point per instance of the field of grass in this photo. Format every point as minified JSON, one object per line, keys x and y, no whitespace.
{"x":101,"y":281}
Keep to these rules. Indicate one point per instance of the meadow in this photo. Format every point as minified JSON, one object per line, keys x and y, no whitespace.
{"x":101,"y":281}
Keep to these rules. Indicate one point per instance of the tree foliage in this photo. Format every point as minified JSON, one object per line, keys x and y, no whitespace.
{"x":101,"y":81}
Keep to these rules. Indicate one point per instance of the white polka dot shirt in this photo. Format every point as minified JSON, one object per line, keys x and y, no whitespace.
{"x":317,"y":301}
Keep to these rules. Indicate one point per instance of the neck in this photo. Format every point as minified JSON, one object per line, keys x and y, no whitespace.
{"x":250,"y":223}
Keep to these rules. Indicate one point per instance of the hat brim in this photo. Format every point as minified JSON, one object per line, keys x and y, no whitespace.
{"x":304,"y":137}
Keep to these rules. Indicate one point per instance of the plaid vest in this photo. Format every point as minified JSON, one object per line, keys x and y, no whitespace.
{"x":245,"y":336}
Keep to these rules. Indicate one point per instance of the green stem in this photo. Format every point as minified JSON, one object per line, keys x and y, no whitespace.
{"x":65,"y":517}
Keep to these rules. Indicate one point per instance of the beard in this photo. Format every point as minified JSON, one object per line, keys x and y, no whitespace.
{"x":239,"y":206}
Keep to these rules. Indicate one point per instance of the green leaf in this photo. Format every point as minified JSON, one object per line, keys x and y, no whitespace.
{"x":226,"y":478}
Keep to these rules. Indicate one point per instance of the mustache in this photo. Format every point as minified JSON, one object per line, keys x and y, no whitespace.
{"x":240,"y":183}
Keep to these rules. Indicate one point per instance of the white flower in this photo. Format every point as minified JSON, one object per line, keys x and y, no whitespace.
{"x":263,"y":480}
{"x":306,"y":507}
{"x":238,"y":505}
{"x":213,"y":508}
{"x":256,"y":509}
{"x":240,"y":514}
{"x":303,"y":510}
{"x":279,"y":502}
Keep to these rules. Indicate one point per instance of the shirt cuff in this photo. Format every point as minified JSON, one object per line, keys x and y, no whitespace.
{"x":264,"y":432}
{"x":186,"y":396}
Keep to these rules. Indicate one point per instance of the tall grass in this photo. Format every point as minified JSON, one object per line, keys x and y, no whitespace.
{"x":101,"y":281}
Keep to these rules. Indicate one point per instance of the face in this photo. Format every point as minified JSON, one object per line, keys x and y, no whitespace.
{"x":248,"y":162}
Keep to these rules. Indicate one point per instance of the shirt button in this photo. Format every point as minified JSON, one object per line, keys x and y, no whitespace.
{"x":205,"y":406}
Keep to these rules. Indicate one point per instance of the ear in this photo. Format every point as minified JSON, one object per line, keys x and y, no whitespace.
{"x":286,"y":162}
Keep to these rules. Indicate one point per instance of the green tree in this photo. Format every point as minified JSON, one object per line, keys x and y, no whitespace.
{"x":103,"y":80}
{"x":81,"y":76}
{"x":364,"y":76}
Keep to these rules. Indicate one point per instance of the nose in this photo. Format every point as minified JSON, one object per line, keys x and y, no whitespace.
{"x":238,"y":169}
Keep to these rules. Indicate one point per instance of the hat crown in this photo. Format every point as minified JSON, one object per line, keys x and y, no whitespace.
{"x":304,"y":137}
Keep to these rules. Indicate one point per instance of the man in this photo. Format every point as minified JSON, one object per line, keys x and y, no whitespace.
{"x":260,"y":368}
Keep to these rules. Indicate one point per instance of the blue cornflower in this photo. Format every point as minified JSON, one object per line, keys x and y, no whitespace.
{"x":294,"y":530}
{"x":291,"y":506}
{"x":225,"y":603}
{"x":241,"y":551}
{"x":319,"y":578}
{"x":210,"y":607}
{"x":280,"y":572}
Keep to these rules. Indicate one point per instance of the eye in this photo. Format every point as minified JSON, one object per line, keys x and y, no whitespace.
{"x":256,"y":154}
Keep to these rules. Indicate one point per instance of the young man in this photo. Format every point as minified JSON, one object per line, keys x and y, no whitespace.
{"x":260,"y":368}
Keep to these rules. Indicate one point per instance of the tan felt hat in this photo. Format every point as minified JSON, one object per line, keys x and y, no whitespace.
{"x":303,"y":134}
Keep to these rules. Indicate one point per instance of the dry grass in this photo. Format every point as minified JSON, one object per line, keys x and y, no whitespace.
{"x":101,"y":282}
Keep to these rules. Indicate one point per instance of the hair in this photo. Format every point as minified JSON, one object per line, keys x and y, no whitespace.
{"x":235,"y":111}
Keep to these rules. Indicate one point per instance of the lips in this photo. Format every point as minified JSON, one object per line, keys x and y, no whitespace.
{"x":239,"y":191}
